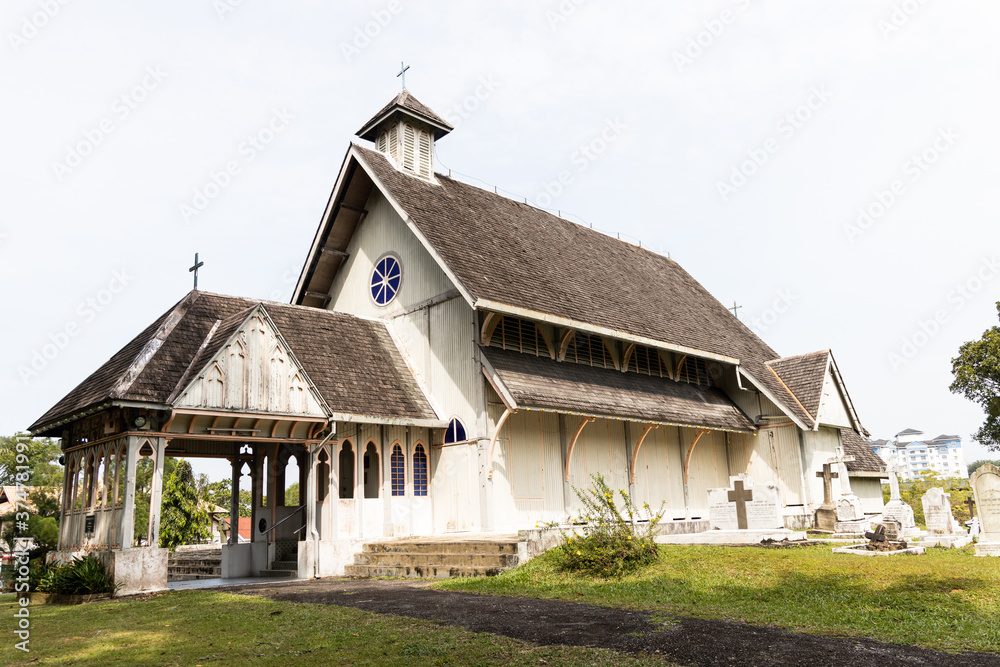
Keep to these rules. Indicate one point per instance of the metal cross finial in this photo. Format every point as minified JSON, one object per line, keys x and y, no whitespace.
{"x":734,"y":309}
{"x":402,"y":72}
{"x":194,"y":269}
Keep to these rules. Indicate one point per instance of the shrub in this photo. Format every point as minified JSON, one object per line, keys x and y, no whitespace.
{"x":84,"y":576}
{"x":612,"y":544}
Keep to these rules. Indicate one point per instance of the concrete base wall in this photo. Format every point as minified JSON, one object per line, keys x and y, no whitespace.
{"x":142,"y":570}
{"x":244,"y":560}
{"x":333,"y":557}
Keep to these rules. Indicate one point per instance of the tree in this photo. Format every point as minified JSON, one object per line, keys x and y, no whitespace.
{"x":977,"y":377}
{"x":292,"y":495}
{"x":976,"y":464}
{"x":39,"y":456}
{"x":182,"y":520}
{"x":220,"y":493}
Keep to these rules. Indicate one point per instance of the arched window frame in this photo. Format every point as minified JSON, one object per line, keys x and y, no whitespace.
{"x":455,"y":428}
{"x":421,"y":470}
{"x":397,"y":470}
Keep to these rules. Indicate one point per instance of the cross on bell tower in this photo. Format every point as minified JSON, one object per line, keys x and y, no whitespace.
{"x":402,"y":73}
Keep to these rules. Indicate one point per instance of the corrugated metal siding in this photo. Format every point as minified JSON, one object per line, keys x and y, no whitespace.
{"x":744,"y":400}
{"x":383,"y":232}
{"x":453,"y":369}
{"x":659,"y":472}
{"x":869,"y":490}
{"x":832,"y":409}
{"x":709,"y":468}
{"x":820,"y":447}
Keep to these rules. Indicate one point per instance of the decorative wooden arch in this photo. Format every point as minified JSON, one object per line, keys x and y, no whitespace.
{"x":677,"y":371}
{"x":567,"y":338}
{"x":496,"y":436}
{"x":572,"y":444}
{"x":687,"y":459}
{"x":638,"y":447}
{"x":489,"y":327}
{"x":627,"y":357}
{"x":548,"y":343}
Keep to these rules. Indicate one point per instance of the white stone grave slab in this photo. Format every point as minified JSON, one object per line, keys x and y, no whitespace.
{"x":763,"y":511}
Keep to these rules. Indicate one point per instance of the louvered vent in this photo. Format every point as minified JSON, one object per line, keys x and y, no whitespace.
{"x":383,"y":143}
{"x":394,"y":143}
{"x":519,"y":335}
{"x":425,"y":155}
{"x":409,"y":146}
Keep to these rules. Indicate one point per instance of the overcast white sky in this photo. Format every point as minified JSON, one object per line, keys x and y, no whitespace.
{"x":740,"y":136}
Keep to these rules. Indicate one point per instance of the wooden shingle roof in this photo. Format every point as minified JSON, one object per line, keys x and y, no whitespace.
{"x":865,"y":458}
{"x":541,"y":383}
{"x":354,"y":363}
{"x":506,"y":252}
{"x":804,"y":376}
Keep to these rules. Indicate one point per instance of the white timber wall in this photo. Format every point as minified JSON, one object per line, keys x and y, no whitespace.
{"x":771,"y":457}
{"x":869,"y":490}
{"x":820,"y":446}
{"x":708,"y":469}
{"x":832,"y":408}
{"x":659,"y":472}
{"x":439,"y":339}
{"x":254,"y":372}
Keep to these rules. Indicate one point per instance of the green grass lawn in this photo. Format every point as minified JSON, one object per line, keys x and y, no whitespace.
{"x":947,"y":600}
{"x":211,"y":628}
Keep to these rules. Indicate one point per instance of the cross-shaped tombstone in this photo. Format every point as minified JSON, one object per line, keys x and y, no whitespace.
{"x":878,"y":535}
{"x":845,"y":481}
{"x":740,"y":496}
{"x":971,"y":503}
{"x":828,"y":476}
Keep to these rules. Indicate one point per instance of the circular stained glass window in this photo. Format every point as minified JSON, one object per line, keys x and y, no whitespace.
{"x":386,"y":279}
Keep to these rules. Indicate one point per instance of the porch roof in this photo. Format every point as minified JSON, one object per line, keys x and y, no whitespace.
{"x":542,"y":384}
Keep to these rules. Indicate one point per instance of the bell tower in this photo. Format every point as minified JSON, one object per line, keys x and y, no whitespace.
{"x":405,"y":131}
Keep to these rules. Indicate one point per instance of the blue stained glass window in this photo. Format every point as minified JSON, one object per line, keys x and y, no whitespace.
{"x":386,"y":279}
{"x":455,"y":433}
{"x":397,"y":467}
{"x":419,"y":471}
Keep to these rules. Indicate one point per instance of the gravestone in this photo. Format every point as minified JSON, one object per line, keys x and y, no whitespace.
{"x":985,"y":483}
{"x":826,"y":515}
{"x":745,"y":507}
{"x":893,"y":531}
{"x":897,"y":509}
{"x":848,"y":505}
{"x":937,"y":513}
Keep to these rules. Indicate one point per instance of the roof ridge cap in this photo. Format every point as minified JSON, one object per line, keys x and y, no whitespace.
{"x":153,"y":345}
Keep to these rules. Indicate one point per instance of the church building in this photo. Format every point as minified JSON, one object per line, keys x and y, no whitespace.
{"x":452,"y":362}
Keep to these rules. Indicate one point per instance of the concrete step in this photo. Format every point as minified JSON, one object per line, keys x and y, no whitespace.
{"x":419,"y":572}
{"x":441,"y":560}
{"x":279,"y":573}
{"x":178,"y":570}
{"x":285,"y":565}
{"x":431,"y":547}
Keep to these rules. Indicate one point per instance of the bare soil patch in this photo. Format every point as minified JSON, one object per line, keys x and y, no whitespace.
{"x":689,"y":641}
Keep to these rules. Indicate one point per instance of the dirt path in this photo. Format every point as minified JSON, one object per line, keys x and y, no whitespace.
{"x":687,"y":640}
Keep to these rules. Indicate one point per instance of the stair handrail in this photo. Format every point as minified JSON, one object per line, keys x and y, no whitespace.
{"x":297,"y":510}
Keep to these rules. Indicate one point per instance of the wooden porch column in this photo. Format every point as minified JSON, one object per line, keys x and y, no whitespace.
{"x":128,"y":506}
{"x":234,"y":502}
{"x":67,"y":485}
{"x":156,"y":493}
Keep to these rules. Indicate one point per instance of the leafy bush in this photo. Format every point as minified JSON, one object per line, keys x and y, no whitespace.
{"x":84,"y":576}
{"x":612,"y":544}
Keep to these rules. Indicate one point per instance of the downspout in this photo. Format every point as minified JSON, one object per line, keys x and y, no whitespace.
{"x":312,"y":468}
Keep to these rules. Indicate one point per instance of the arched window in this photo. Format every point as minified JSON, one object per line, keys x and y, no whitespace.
{"x":419,"y":471}
{"x":397,"y":470}
{"x":322,"y":476}
{"x":371,"y":471}
{"x":346,"y":471}
{"x":386,"y":279}
{"x":455,"y":432}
